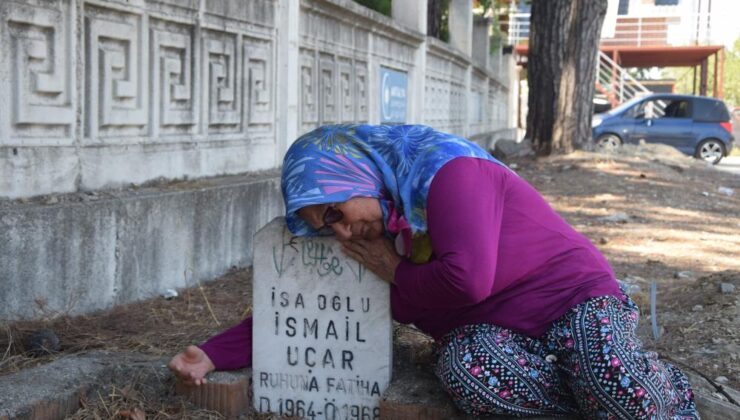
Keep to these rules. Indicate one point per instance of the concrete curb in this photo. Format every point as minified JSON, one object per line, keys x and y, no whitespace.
{"x":54,"y":390}
{"x":229,"y":393}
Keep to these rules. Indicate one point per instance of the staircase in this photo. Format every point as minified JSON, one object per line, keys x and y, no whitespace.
{"x":614,"y":83}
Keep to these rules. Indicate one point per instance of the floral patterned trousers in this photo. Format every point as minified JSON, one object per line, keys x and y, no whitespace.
{"x":589,"y":363}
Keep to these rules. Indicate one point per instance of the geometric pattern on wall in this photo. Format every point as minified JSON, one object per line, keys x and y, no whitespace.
{"x":40,"y":68}
{"x":437,"y":106}
{"x":309,"y":104}
{"x":328,"y":89}
{"x":260,"y":85}
{"x":361,"y":89}
{"x":334,"y":74}
{"x":174,"y":100}
{"x":445,"y":93}
{"x":333,"y":89}
{"x":117,"y":81}
{"x":346,"y":91}
{"x":458,"y":107}
{"x":221,"y":82}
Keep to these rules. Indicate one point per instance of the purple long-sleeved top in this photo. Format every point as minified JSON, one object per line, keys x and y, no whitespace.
{"x":501,"y":256}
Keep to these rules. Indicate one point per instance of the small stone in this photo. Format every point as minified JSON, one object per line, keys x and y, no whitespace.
{"x":721,"y":379}
{"x":719,"y":396}
{"x":24,"y":200}
{"x":726,"y":191}
{"x":716,"y":340}
{"x":513,"y":166}
{"x":684,"y":275}
{"x":631,"y":289}
{"x":705,"y":193}
{"x":727,"y":288}
{"x":169,"y":294}
{"x":42,"y":342}
{"x":615,"y":217}
{"x":51,"y":200}
{"x":603,"y":240}
{"x":634,"y":279}
{"x":697,"y":308}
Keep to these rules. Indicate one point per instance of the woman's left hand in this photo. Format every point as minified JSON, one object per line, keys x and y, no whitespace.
{"x":379,"y":255}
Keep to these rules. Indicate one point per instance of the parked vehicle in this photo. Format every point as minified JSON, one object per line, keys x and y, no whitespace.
{"x":696,"y":125}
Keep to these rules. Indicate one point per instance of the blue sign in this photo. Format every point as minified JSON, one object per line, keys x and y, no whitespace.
{"x":393,"y":89}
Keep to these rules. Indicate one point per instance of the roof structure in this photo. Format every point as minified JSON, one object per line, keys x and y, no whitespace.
{"x":661,"y":56}
{"x":651,"y":56}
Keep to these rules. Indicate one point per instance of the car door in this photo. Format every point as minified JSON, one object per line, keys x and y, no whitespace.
{"x":624,"y":123}
{"x":665,"y":120}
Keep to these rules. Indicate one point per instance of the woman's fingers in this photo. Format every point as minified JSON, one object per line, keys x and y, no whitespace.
{"x":190,"y":366}
{"x":176,"y":364}
{"x":352,"y":252}
{"x":378,"y":256}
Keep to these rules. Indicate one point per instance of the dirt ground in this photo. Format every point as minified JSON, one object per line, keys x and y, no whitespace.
{"x":656,"y":215}
{"x":659,"y":216}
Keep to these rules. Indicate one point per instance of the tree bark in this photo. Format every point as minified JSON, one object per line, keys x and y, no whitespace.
{"x":561,"y":70}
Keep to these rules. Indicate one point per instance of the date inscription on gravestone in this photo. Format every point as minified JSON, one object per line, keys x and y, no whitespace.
{"x":322,"y":337}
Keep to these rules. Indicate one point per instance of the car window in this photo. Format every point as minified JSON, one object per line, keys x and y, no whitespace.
{"x":710,"y":110}
{"x":627,"y":107}
{"x":651,"y":109}
{"x":661,"y":108}
{"x":677,"y":108}
{"x":634,"y":111}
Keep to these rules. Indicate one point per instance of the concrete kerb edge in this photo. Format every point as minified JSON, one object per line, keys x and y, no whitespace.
{"x":54,"y":390}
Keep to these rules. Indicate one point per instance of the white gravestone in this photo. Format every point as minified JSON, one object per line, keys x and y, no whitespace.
{"x":322,"y":336}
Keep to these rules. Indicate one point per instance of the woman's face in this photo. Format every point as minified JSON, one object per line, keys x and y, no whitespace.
{"x":362,"y":218}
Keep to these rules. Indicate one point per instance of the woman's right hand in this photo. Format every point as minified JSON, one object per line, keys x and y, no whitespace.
{"x":191,"y":366}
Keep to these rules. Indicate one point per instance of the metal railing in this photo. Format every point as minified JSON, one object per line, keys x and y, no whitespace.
{"x":676,"y":29}
{"x":616,"y":83}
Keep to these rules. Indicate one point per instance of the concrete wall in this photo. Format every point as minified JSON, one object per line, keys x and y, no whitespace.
{"x":101,"y":94}
{"x":97,"y":95}
{"x":80,"y":255}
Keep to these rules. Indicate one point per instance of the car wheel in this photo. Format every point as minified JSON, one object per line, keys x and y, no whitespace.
{"x":608,"y":141}
{"x":710,"y":151}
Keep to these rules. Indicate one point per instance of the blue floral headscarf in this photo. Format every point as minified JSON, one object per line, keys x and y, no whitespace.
{"x":395,"y":164}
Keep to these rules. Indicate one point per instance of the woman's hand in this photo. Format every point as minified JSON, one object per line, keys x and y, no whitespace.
{"x":379,"y":255}
{"x":191,"y":366}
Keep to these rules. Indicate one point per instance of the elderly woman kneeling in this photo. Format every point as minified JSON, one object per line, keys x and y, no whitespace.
{"x":527,"y":314}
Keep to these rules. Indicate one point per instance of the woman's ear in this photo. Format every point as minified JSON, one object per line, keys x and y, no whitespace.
{"x":312,"y":215}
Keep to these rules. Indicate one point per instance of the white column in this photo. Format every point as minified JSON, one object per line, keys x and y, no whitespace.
{"x":461,"y":25}
{"x":287,"y":76}
{"x":481,"y":41}
{"x":413,"y":15}
{"x":461,"y":37}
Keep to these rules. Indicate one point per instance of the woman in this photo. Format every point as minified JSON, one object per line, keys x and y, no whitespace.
{"x":527,"y":314}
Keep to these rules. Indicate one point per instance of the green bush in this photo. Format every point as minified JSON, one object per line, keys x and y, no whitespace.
{"x":382,"y":6}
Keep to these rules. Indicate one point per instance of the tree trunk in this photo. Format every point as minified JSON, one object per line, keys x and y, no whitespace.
{"x":561,"y":71}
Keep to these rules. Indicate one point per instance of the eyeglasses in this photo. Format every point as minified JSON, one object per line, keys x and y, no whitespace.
{"x":331,"y":215}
